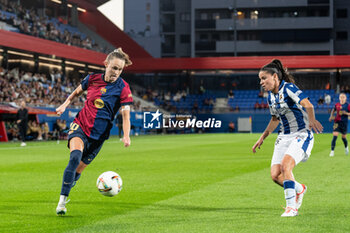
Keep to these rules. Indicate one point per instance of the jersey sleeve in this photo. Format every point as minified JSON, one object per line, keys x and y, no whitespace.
{"x":295,"y":93}
{"x":85,"y":82}
{"x":126,"y":96}
{"x":273,"y":111}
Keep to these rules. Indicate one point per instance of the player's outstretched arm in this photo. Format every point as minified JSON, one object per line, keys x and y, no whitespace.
{"x":269,"y":129}
{"x":60,"y":110}
{"x":314,"y":124}
{"x":126,"y":124}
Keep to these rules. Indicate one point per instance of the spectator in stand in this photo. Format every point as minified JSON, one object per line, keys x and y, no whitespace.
{"x":34,"y":130}
{"x":12,"y":130}
{"x":257,"y":105}
{"x":327,"y":99}
{"x":231,"y":95}
{"x":231,"y":127}
{"x":45,"y":130}
{"x":320,"y":101}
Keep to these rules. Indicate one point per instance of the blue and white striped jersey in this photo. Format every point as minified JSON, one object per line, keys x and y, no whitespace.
{"x":285,"y":105}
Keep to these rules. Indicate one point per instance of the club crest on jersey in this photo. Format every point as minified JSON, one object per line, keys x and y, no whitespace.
{"x":281,"y":96}
{"x":103,"y":90}
{"x":99,"y":103}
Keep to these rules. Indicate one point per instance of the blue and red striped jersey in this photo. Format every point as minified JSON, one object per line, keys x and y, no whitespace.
{"x":339,"y":109}
{"x":102,"y":103}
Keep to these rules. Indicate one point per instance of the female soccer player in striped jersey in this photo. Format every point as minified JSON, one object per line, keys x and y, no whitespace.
{"x":290,"y":107}
{"x":106,"y":94}
{"x":342,"y":110}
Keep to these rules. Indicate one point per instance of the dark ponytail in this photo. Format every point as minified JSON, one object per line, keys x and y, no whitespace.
{"x":276,"y":67}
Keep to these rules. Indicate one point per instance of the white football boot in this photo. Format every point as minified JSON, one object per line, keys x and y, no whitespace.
{"x":331,"y":154}
{"x":300,"y":196}
{"x":61,"y":208}
{"x":290,"y":212}
{"x":347,"y":150}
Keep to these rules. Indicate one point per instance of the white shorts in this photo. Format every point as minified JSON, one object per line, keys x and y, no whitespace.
{"x":298,"y":145}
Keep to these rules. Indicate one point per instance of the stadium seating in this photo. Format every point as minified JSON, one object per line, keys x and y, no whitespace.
{"x":246,"y":99}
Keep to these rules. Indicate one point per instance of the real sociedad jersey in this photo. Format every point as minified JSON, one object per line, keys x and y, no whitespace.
{"x":285,"y":105}
{"x":338,"y":108}
{"x":103,"y":101}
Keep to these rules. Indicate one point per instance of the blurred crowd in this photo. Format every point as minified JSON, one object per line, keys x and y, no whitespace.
{"x":37,"y":89}
{"x":180,"y":101}
{"x":28,"y":22}
{"x":36,"y":131}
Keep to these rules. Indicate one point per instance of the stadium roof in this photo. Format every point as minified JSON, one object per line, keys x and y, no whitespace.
{"x":237,"y":63}
{"x":31,"y":44}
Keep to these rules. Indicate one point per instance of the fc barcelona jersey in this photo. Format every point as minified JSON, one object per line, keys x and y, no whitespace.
{"x":339,"y":109}
{"x":102,"y":103}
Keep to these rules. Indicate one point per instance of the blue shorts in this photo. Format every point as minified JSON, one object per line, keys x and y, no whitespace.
{"x":341,"y":127}
{"x":91,"y":146}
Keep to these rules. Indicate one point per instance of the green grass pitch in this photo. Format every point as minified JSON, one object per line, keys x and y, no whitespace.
{"x":173,"y":183}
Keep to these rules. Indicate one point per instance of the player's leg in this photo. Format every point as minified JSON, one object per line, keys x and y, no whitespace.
{"x":76,"y":146}
{"x":276,"y":174}
{"x":78,"y":172}
{"x":335,"y":136}
{"x":287,"y":166}
{"x":345,"y":141}
{"x":90,"y":152}
{"x":299,"y":150}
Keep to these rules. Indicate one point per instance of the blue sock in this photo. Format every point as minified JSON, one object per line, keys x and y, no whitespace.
{"x":333,"y":142}
{"x":289,"y":192}
{"x":345,"y":142}
{"x":69,"y":172}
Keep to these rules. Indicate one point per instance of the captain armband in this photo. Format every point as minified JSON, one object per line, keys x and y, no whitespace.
{"x":126,"y":107}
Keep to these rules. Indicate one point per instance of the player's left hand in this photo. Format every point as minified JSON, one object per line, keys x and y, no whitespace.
{"x":126,"y":141}
{"x":316,"y":126}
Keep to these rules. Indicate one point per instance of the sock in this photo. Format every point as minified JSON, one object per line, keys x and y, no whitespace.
{"x":333,"y":142}
{"x":298,"y":187}
{"x":62,"y":200}
{"x":77,"y":176}
{"x":345,"y":142}
{"x":69,"y":172}
{"x":289,"y":192}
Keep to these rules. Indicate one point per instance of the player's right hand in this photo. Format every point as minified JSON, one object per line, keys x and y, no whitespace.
{"x":126,"y":141}
{"x":60,"y":110}
{"x":257,"y":144}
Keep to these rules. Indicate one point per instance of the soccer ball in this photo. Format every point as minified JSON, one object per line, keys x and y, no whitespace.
{"x":109,"y":184}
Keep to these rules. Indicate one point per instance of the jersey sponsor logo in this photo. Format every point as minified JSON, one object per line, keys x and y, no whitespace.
{"x":130,"y":95}
{"x":99,"y":103}
{"x":103,"y":90}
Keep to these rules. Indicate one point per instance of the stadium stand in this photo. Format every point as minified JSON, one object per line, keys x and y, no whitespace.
{"x":17,"y":19}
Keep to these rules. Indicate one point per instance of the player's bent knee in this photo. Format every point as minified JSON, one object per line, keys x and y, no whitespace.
{"x":274,"y":178}
{"x":75,"y":158}
{"x":76,"y":144}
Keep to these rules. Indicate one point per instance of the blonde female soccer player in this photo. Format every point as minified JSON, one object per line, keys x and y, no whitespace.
{"x":290,"y":107}
{"x":106,"y":94}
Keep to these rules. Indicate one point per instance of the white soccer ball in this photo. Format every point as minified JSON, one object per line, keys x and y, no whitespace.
{"x":109,"y":184}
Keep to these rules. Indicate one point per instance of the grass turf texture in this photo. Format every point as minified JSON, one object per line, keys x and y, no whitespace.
{"x":175,"y":183}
